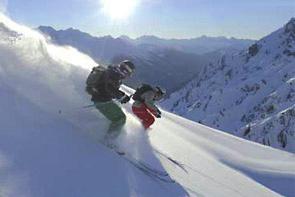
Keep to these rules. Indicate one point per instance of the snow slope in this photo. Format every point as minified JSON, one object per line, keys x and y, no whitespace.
{"x":49,"y":142}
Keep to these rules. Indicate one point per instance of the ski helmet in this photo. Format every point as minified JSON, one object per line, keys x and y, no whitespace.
{"x":126,"y":67}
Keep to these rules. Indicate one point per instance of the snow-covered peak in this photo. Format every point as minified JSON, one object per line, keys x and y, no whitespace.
{"x":46,"y":28}
{"x":126,"y":38}
{"x":280,"y":41}
{"x":249,"y":93}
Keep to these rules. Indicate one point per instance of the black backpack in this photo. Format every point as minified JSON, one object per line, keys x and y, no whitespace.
{"x":140,"y":90}
{"x":93,"y":78}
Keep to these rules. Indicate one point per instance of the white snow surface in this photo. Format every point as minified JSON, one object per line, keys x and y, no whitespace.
{"x":49,"y":142}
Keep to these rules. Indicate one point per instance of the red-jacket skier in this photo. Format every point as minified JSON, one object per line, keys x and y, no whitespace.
{"x":144,"y":104}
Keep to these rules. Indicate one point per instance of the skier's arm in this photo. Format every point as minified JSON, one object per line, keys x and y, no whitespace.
{"x":148,"y":98}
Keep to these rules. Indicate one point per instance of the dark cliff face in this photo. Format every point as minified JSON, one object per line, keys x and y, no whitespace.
{"x":290,"y":27}
{"x":289,"y":30}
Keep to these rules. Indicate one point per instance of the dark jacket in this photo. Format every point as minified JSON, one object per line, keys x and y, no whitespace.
{"x":148,"y":99}
{"x":108,"y":86}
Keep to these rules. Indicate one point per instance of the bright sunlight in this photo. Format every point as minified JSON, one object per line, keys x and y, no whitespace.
{"x":118,"y":9}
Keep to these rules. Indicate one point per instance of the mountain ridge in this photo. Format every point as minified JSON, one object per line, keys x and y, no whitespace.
{"x":242,"y":83}
{"x":215,"y":43}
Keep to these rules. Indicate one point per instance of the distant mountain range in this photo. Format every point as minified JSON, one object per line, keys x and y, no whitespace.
{"x":200,"y":45}
{"x":250,"y":93}
{"x":168,"y":63}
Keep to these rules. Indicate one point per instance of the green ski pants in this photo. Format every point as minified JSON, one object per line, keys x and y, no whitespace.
{"x":113,"y":113}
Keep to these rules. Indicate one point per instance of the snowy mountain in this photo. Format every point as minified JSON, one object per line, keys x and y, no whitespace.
{"x":99,"y":48}
{"x":162,"y":66}
{"x":200,"y":45}
{"x":49,"y":143}
{"x":250,"y":94}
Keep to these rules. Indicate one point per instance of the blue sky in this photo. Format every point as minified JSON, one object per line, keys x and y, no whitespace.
{"x":164,"y":18}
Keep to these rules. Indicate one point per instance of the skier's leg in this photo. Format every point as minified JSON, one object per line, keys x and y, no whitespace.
{"x":146,"y":117}
{"x":115,"y":114}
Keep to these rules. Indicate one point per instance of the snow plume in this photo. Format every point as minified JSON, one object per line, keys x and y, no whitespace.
{"x":57,"y":71}
{"x":67,"y":54}
{"x":40,"y":83}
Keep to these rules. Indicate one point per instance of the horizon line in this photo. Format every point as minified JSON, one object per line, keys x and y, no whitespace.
{"x":93,"y":34}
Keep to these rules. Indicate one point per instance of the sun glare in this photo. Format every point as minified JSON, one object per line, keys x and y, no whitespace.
{"x":118,"y":9}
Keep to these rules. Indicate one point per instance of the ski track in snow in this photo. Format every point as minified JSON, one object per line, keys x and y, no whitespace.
{"x":49,"y":142}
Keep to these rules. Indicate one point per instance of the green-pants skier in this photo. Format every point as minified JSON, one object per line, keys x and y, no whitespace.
{"x":113,"y":113}
{"x":104,"y":86}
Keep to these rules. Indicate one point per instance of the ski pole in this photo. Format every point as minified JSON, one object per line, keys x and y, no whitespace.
{"x":88,"y":106}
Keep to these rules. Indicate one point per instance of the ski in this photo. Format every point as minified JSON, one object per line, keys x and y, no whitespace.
{"x":150,"y":172}
{"x":177,"y":163}
{"x":141,"y":165}
{"x":159,"y":172}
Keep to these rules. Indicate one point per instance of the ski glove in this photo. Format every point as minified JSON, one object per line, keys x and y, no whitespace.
{"x":158,"y":114}
{"x":125,"y":99}
{"x":119,"y":95}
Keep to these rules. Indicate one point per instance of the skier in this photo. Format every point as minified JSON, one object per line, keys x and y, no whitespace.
{"x":103,"y":85}
{"x":144,"y":104}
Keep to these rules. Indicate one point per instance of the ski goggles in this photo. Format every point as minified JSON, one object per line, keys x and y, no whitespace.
{"x":124,"y":68}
